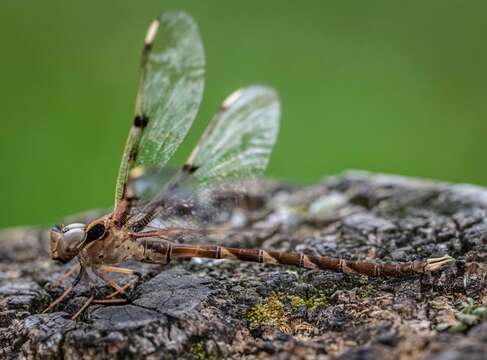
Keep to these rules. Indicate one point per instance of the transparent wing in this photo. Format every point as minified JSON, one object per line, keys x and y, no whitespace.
{"x":237,"y":144}
{"x":239,"y":140}
{"x":170,"y":92}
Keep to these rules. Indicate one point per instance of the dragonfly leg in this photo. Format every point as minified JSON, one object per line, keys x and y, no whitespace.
{"x":58,"y":300}
{"x":109,"y":301}
{"x":127,"y":285}
{"x":66,"y":292}
{"x":120,"y":270}
{"x":106,"y":278}
{"x":83,"y":308}
{"x":93,"y":297}
{"x":67,"y":274}
{"x":92,"y":300}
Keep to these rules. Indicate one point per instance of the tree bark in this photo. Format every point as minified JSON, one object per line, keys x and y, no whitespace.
{"x":212,"y":309}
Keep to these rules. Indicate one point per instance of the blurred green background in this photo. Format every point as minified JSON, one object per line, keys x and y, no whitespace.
{"x":389,"y":86}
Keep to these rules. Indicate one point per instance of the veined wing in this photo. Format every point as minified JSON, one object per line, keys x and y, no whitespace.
{"x":239,"y":140}
{"x":169,"y":94}
{"x":237,"y":144}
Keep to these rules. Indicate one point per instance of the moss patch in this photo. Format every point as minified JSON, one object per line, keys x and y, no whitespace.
{"x":198,"y":350}
{"x":276,"y":311}
{"x":270,"y":312}
{"x":311,"y":303}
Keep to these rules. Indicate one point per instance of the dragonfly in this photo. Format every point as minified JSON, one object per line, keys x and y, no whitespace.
{"x":236,"y":144}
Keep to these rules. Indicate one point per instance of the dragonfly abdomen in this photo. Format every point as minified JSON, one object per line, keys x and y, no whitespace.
{"x":162,"y":252}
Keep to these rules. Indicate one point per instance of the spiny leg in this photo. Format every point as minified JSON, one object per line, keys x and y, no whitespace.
{"x":127,"y":285}
{"x":67,"y":274}
{"x":106,"y":278}
{"x":83,"y":308}
{"x":120,"y":270}
{"x":109,"y":301}
{"x":109,"y":281}
{"x":65,"y":293}
{"x":92,"y":299}
{"x":58,"y":300}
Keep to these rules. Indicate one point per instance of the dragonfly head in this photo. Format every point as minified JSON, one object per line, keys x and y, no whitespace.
{"x":67,"y":241}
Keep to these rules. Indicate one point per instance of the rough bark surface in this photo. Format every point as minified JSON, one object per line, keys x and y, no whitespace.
{"x":207,"y":309}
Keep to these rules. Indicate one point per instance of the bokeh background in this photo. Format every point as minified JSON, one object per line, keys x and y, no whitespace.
{"x":388,"y":86}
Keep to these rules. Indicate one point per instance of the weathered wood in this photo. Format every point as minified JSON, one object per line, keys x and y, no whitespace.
{"x":222,"y":309}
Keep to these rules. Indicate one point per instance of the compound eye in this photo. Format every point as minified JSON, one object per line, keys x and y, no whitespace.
{"x":95,"y":232}
{"x":74,"y":235}
{"x":73,"y":226}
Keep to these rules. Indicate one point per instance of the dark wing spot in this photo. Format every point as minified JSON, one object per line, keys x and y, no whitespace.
{"x":133,"y":154}
{"x":189,"y":168}
{"x":141,"y":121}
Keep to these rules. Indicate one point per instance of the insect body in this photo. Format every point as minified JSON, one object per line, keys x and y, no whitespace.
{"x":236,"y":144}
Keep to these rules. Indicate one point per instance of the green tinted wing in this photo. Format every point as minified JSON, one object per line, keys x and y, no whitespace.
{"x":169,"y":94}
{"x":238,"y":141}
{"x":236,"y":145}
